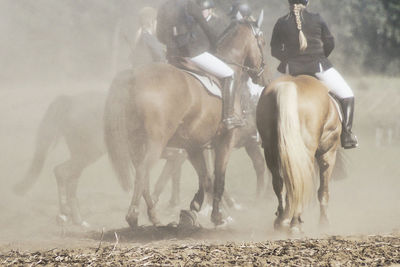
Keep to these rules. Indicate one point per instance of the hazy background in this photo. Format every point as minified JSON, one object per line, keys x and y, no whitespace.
{"x":49,"y":48}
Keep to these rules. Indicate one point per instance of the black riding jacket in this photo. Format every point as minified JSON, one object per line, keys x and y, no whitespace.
{"x":285,"y":44}
{"x":188,"y":36}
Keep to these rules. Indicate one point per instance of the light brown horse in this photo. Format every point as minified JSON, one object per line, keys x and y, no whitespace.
{"x":79,"y":121}
{"x":159,"y":104}
{"x":298,"y":123}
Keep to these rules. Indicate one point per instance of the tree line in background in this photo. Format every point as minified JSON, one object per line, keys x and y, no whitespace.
{"x":76,"y":38}
{"x":367,"y":32}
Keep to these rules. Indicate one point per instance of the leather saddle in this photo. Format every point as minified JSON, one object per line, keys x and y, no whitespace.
{"x":186,"y":65}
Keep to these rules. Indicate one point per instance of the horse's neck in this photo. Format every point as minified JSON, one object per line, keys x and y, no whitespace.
{"x":231,"y":46}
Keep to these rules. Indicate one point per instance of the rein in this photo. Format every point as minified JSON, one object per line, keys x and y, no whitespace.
{"x":258,"y":71}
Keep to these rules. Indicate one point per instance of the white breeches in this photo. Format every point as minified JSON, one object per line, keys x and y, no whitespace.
{"x":213,"y":65}
{"x":335,"y":82}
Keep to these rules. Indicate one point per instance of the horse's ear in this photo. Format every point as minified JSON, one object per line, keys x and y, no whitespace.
{"x":260,"y":18}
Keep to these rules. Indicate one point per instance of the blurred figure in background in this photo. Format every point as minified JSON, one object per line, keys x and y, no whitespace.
{"x":134,"y":43}
{"x":146,"y":47}
{"x":302,"y":42}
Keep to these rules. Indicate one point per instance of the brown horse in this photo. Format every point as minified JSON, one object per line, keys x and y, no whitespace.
{"x":159,"y":104}
{"x":298,"y":123}
{"x":246,"y":137}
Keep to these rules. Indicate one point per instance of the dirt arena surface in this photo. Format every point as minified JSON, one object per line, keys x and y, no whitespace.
{"x":372,"y":250}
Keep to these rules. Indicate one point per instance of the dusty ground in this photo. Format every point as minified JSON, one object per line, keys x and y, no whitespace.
{"x":332,"y":251}
{"x":364,"y":208}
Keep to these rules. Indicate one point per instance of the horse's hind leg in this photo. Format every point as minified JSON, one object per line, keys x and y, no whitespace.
{"x":172,"y":170}
{"x":326,"y":163}
{"x":254,"y":152}
{"x":142,"y":184}
{"x":162,"y":180}
{"x":67,"y":176}
{"x":198,"y":161}
{"x":277,"y":184}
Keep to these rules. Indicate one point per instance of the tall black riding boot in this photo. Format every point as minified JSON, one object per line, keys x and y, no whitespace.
{"x":228,"y":101}
{"x":348,"y":139}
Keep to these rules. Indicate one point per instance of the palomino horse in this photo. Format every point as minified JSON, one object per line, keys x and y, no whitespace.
{"x":79,"y":120}
{"x":159,"y":104}
{"x":298,"y":122}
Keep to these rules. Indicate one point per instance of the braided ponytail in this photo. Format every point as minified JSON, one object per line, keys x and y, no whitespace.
{"x":297,"y":8}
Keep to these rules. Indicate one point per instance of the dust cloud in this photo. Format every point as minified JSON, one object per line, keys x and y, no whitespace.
{"x":51,"y":48}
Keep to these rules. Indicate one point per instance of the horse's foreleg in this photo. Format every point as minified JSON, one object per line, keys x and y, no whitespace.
{"x":254,"y":152}
{"x":176,"y":179}
{"x":62,"y":173}
{"x":326,"y":163}
{"x":163,"y":179}
{"x":222,"y":152}
{"x":198,"y":161}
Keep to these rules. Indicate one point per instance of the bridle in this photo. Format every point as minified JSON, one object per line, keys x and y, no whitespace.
{"x":253,"y":72}
{"x":258,"y":34}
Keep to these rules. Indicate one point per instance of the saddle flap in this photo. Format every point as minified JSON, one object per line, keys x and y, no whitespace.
{"x":337,"y":105}
{"x":185,"y":64}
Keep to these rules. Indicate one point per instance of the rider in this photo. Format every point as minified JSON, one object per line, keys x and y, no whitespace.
{"x":147,"y":48}
{"x":191,"y":36}
{"x":302,"y":42}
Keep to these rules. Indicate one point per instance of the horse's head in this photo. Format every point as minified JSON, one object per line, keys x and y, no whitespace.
{"x":242,"y":46}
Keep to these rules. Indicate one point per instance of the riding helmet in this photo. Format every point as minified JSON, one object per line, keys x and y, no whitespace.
{"x":303,"y":2}
{"x":206,"y":4}
{"x":240,"y":6}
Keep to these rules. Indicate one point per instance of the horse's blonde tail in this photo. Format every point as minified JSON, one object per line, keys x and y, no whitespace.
{"x":116,"y":128}
{"x":295,"y":162}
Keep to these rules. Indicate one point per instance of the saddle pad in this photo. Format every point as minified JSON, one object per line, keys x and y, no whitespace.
{"x":211,"y":87}
{"x":339,"y":110}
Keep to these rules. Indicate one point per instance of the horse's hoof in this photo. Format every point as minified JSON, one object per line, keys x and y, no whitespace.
{"x":226,"y":223}
{"x":206,"y":211}
{"x":188,"y":219}
{"x":295,"y":231}
{"x":237,"y":206}
{"x":281,"y":225}
{"x":194,"y":205}
{"x":132,"y":220}
{"x":324,"y":224}
{"x":85,"y":224}
{"x":62,"y":219}
{"x":216,"y":218}
{"x":153,"y":217}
